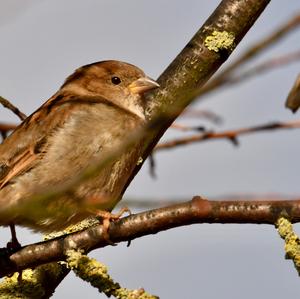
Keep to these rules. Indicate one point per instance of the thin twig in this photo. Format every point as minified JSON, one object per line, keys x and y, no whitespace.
{"x":205,"y":114}
{"x":275,"y":37}
{"x":264,"y":67}
{"x":7,"y":104}
{"x":234,"y":78}
{"x":184,"y":128}
{"x":230,"y":135}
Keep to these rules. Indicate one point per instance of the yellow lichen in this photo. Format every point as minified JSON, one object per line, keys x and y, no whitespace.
{"x":73,"y":228}
{"x":139,"y":161}
{"x":292,"y":242}
{"x":220,"y":40}
{"x":96,"y":274}
{"x":34,"y":283}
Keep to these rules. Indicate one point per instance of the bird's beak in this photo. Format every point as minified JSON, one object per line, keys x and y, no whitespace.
{"x":142,"y":85}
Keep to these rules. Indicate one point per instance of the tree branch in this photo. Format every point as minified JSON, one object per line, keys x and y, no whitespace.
{"x":38,"y":283}
{"x":151,"y":222}
{"x":252,"y":52}
{"x":204,"y":114}
{"x":196,"y":63}
{"x":231,"y":135}
{"x":263,"y":67}
{"x":7,"y":104}
{"x":291,"y":240}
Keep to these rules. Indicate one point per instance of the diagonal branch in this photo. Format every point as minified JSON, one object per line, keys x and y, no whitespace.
{"x":196,"y":63}
{"x":264,"y":66}
{"x":266,"y":42}
{"x":203,"y":114}
{"x":252,"y":52}
{"x":7,"y":104}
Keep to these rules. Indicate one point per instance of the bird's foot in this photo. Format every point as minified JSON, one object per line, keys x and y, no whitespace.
{"x":14,"y":244}
{"x":107,"y":217}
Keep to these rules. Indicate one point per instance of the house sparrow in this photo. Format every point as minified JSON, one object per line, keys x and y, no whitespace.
{"x":89,"y":116}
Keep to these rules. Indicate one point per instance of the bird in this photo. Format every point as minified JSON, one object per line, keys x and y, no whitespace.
{"x":89,"y":116}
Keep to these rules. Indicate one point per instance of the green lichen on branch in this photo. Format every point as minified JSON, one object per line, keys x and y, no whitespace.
{"x":86,"y":223}
{"x":218,"y":41}
{"x":35,"y":284}
{"x":292,"y":242}
{"x":96,"y":274}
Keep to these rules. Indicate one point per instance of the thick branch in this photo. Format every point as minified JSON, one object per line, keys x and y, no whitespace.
{"x":196,"y":64}
{"x":151,"y":222}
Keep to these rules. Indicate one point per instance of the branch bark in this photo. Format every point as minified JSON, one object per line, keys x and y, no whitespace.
{"x":129,"y":228}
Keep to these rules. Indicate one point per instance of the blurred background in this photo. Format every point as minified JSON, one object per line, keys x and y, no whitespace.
{"x":43,"y":41}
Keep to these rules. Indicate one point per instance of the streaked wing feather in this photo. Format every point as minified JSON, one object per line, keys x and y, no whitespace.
{"x":25,"y":146}
{"x":21,"y":164}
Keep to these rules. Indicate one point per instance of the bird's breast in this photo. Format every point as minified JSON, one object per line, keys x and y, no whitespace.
{"x":87,"y":136}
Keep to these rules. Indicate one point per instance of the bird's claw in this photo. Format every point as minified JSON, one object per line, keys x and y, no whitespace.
{"x":107,"y":217}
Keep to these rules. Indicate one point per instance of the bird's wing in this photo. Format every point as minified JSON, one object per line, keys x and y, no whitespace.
{"x":26,"y":145}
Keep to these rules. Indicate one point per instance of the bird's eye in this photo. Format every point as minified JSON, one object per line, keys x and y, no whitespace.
{"x":115,"y":80}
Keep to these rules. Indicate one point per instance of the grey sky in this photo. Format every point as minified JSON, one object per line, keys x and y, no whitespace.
{"x":44,"y":41}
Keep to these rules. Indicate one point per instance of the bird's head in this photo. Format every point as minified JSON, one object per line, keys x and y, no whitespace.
{"x":121,"y":83}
